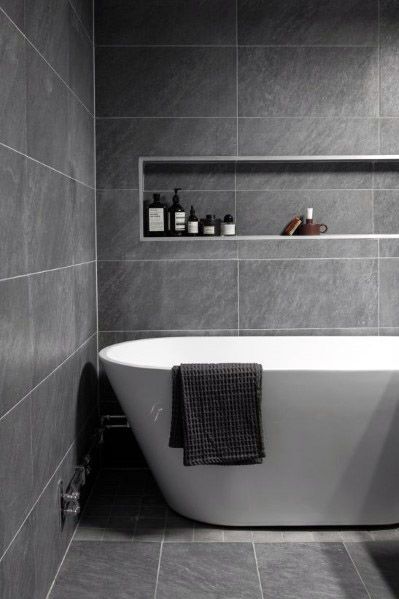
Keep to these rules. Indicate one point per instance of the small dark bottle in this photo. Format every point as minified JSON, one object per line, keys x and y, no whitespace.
{"x":209,"y":227}
{"x":156,"y":218}
{"x":192,"y":225}
{"x":228,"y":225}
{"x":177,"y":216}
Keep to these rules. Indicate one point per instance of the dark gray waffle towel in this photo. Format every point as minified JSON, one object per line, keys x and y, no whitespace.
{"x":216,"y":413}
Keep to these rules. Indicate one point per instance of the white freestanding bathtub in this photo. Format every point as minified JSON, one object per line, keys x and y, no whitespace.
{"x":331,"y":425}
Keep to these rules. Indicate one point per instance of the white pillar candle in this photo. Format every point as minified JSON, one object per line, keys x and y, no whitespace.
{"x":309,"y":213}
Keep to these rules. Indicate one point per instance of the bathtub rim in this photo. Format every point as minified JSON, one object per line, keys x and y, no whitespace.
{"x":105,"y":357}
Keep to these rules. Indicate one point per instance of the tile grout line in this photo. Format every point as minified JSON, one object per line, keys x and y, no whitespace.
{"x":95,"y":197}
{"x":36,"y":502}
{"x":379,"y":75}
{"x":233,"y":329}
{"x":378,"y":286}
{"x":248,"y":117}
{"x":233,"y":259}
{"x":239,"y":45}
{"x":40,"y":272}
{"x":159,"y":567}
{"x":47,"y":376}
{"x":257,"y":566}
{"x":44,"y":164}
{"x":86,"y":31}
{"x":235,"y":175}
{"x":47,"y":63}
{"x":357,"y":571}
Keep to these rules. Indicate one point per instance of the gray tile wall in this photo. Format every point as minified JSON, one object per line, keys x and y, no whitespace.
{"x":48,"y":349}
{"x":248,"y":77}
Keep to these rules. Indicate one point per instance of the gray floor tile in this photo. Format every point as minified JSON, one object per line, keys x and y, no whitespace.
{"x":149,"y":530}
{"x":377,"y":564}
{"x":87,"y":533}
{"x":267,"y":536}
{"x":118,"y":534}
{"x":355,"y":536}
{"x":308,"y":571}
{"x":237,"y":535}
{"x":208,"y":534}
{"x":298,"y":536}
{"x":212,"y":570}
{"x":108,"y":571}
{"x":178,"y":532}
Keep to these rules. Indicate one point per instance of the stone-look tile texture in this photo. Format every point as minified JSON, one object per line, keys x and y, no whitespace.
{"x":248,"y":78}
{"x":126,"y":519}
{"x":48,"y":349}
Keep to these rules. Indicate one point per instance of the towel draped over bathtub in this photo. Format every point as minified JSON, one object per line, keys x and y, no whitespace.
{"x":216,"y":413}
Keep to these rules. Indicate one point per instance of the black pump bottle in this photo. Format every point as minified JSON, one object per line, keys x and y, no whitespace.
{"x":177,"y":216}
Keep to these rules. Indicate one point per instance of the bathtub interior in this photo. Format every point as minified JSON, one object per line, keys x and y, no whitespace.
{"x":274,"y":353}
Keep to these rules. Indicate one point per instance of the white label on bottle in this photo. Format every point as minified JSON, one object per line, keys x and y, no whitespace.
{"x":193,"y":227}
{"x":209,"y":229}
{"x":155,"y":220}
{"x":228,"y":229}
{"x":180,"y":221}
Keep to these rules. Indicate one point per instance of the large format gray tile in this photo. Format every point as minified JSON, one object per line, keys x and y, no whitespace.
{"x":47,"y":27}
{"x":16,"y":347}
{"x":377,"y":563}
{"x":50,"y":539}
{"x":80,"y":142}
{"x":389,"y":73}
{"x":175,"y":22}
{"x":12,"y":241}
{"x":190,"y":176}
{"x":84,"y":302}
{"x":118,"y":228}
{"x":386,"y":211}
{"x":385,"y":175}
{"x":313,"y":293}
{"x":323,"y":332}
{"x":108,"y":571}
{"x":318,"y":82}
{"x":389,"y":19}
{"x":49,"y":215}
{"x":15,"y":11}
{"x":167,"y":295}
{"x":80,"y":75}
{"x":311,"y":175}
{"x":12,"y":86}
{"x":296,"y":247}
{"x":84,"y":222}
{"x":17,"y":569}
{"x":15,"y":471}
{"x":287,"y":136}
{"x":389,"y":248}
{"x":225,"y":571}
{"x":389,"y":292}
{"x":84,"y":10}
{"x":61,"y":405}
{"x":121,"y":141}
{"x":309,"y":570}
{"x":53,"y":319}
{"x":389,"y":136}
{"x":313,"y":22}
{"x":47,"y":114}
{"x":268,"y":212}
{"x":165,"y":82}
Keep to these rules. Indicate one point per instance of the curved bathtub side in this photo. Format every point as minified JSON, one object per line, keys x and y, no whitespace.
{"x":331,"y":451}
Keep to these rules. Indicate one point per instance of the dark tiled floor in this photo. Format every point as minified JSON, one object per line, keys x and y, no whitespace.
{"x":130,"y":544}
